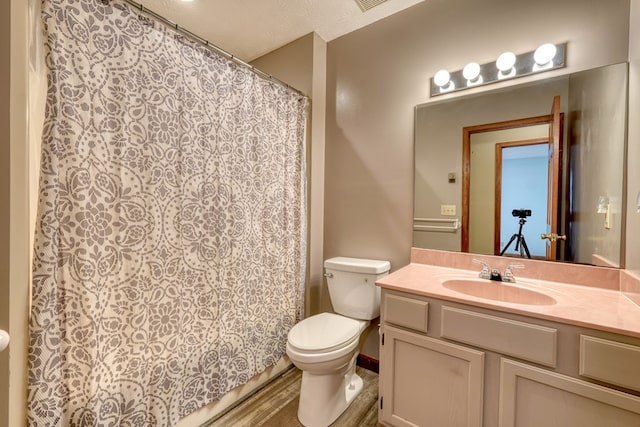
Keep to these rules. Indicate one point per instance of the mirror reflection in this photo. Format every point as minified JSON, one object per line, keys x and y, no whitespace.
{"x":553,"y":147}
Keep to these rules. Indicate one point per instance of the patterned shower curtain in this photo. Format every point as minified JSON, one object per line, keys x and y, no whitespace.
{"x":170,"y":244}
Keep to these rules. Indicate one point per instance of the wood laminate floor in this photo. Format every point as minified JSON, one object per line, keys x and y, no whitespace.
{"x":276,"y":405}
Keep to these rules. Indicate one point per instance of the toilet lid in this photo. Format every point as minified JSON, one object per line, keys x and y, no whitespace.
{"x":324,"y":331}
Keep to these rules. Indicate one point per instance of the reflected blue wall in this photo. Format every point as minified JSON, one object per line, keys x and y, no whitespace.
{"x":524,"y":186}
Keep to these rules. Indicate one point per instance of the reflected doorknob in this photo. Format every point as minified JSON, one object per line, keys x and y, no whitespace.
{"x":553,"y":237}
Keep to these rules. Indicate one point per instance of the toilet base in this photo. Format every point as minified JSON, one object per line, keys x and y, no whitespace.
{"x":323,"y":398}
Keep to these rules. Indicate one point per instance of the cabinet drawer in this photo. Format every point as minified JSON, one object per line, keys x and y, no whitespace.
{"x":610,"y":361}
{"x":407,"y":312}
{"x":522,"y":340}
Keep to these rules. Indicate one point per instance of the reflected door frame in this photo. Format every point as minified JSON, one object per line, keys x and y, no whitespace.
{"x":467,"y":132}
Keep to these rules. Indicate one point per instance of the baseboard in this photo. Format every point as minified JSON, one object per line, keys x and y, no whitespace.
{"x":369,"y":363}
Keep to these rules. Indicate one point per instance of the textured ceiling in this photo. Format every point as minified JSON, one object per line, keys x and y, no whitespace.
{"x":251,"y":28}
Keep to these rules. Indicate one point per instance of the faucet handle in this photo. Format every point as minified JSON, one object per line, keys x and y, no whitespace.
{"x":484,"y":273}
{"x":508,"y":272}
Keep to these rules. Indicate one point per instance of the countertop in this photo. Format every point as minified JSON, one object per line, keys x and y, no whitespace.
{"x":592,"y":307}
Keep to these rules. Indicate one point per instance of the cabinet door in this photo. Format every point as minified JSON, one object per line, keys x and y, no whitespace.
{"x":429,"y":382}
{"x":534,"y":397}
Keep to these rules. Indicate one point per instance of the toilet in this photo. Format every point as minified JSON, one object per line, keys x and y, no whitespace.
{"x":325,"y":346}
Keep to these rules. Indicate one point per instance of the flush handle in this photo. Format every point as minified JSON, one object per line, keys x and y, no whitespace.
{"x":328,"y":275}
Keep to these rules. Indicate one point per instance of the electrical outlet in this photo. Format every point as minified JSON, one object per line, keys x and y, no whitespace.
{"x":448,"y":210}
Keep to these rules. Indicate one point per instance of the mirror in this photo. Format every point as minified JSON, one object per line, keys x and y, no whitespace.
{"x":591,"y":182}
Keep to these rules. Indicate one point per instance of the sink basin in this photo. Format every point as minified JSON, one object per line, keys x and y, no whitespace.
{"x":498,"y":291}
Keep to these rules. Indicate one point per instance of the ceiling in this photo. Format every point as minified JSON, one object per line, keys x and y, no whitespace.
{"x":251,"y":28}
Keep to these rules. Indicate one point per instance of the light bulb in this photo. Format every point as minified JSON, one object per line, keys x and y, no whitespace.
{"x":545,"y":53}
{"x":441,"y":78}
{"x":506,"y":61}
{"x":471,"y":71}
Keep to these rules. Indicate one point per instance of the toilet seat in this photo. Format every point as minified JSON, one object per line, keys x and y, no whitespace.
{"x":324,"y":332}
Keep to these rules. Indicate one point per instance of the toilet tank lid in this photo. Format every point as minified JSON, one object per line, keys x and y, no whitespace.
{"x":357,"y":265}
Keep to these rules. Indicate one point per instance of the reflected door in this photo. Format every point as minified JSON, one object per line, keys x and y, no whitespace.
{"x":473,"y":201}
{"x":555,"y":172}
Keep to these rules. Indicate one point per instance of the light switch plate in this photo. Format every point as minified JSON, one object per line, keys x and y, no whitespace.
{"x":448,"y":210}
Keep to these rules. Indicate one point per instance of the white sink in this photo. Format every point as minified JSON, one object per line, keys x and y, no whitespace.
{"x":498,"y":291}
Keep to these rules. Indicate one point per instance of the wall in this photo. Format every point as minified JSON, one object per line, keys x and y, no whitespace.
{"x":597,"y":111}
{"x":377,"y":74}
{"x":632,"y":255}
{"x":5,"y":73}
{"x":15,"y":217}
{"x":482,"y":166}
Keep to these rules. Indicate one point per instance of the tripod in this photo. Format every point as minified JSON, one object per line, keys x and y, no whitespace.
{"x":520,"y":242}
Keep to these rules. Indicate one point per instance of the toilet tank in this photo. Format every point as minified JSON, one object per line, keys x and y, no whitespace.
{"x":352,"y":287}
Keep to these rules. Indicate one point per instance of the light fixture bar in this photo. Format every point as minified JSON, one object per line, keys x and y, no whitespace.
{"x":525,"y":65}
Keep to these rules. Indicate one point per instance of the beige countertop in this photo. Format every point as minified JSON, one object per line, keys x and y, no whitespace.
{"x":593,"y":307}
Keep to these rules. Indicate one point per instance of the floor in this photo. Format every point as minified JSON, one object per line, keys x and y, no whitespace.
{"x":276,"y":405}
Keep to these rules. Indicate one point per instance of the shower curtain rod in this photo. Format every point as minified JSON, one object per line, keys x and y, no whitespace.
{"x":211,"y":46}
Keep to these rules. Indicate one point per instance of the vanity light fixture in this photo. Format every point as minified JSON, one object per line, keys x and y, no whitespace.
{"x":507,"y":66}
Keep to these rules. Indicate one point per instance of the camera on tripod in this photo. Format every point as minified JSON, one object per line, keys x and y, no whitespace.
{"x":521,"y":213}
{"x":521,"y":244}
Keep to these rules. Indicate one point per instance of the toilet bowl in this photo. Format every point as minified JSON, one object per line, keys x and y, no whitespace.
{"x":325,"y":346}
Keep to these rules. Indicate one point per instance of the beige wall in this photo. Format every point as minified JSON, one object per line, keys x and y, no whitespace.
{"x":15,"y":219}
{"x":632,"y":255}
{"x":5,"y":54}
{"x":376,"y":75}
{"x":292,"y":63}
{"x":598,"y":118}
{"x":482,"y":195}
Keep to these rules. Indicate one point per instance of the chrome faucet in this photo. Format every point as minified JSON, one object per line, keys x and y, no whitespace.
{"x":508,"y":273}
{"x":494,"y":274}
{"x":484,"y":273}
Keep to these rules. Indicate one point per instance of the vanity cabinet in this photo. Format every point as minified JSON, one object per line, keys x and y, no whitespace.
{"x":449,"y":364}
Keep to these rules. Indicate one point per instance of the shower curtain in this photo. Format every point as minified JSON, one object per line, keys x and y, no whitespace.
{"x":170,"y":249}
